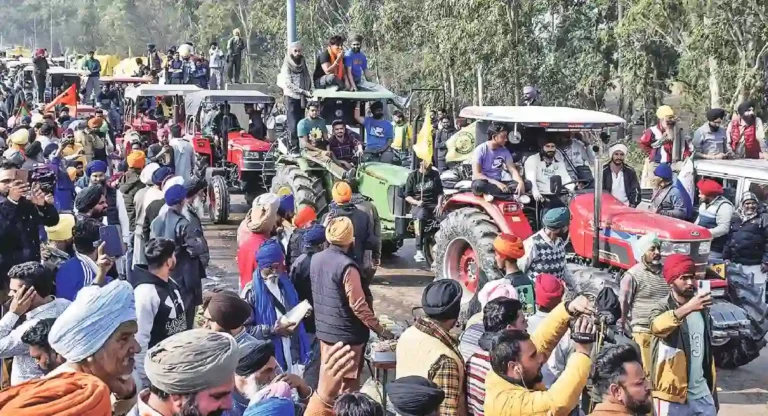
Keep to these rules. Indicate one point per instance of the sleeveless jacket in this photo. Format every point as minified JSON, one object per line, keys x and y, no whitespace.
{"x":708,"y":220}
{"x":334,"y":319}
{"x":549,"y":259}
{"x":747,"y":135}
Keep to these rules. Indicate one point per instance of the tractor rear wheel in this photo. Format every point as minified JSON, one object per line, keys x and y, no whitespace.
{"x":737,"y":352}
{"x":218,"y":200}
{"x":307,"y":190}
{"x":464,"y":252}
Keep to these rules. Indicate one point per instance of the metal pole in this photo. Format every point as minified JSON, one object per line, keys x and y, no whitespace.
{"x":598,"y":175}
{"x":291,"y":20}
{"x":480,"y":84}
{"x":50,"y":5}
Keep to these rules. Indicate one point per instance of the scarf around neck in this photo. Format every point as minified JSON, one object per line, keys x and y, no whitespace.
{"x":340,"y":66}
{"x":292,"y":67}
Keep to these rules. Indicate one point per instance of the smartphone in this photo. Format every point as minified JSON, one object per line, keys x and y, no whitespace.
{"x":22,"y":175}
{"x":704,"y":286}
{"x":113,"y":244}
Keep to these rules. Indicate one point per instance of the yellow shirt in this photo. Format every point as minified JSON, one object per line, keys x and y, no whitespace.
{"x":403,"y":134}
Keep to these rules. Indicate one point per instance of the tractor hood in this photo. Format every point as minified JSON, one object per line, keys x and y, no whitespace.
{"x":246,"y":142}
{"x":619,"y":217}
{"x":392,"y":174}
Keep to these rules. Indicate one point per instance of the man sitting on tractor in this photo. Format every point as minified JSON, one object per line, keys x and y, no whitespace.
{"x":539,"y":169}
{"x":256,"y":126}
{"x":545,"y":250}
{"x":379,"y":133}
{"x":667,"y":199}
{"x":313,"y":139}
{"x":489,"y":161}
{"x":344,"y":146}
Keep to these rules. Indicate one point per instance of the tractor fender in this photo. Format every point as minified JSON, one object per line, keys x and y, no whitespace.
{"x":515,"y":224}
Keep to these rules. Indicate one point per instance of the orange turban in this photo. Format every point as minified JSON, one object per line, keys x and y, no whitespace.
{"x":137,"y":159}
{"x":66,"y":394}
{"x":509,"y":246}
{"x":95,"y":123}
{"x":72,"y":173}
{"x":305,"y":216}
{"x":342,"y":192}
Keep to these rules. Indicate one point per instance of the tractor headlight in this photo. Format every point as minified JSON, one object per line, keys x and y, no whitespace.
{"x":704,"y":247}
{"x":668,"y":247}
{"x":252,"y":155}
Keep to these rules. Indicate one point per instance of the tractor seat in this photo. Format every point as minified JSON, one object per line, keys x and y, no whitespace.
{"x":465,"y":185}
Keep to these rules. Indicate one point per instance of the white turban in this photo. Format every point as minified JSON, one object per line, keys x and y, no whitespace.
{"x":641,"y":246}
{"x":173,"y":180}
{"x":618,"y":147}
{"x":147,"y":172}
{"x":263,"y":212}
{"x":86,"y":325}
{"x":495,"y":289}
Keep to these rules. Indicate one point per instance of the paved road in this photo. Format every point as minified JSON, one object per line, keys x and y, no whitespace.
{"x":397,"y":290}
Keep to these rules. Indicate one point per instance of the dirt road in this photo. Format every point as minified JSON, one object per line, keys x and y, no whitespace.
{"x":397,"y":290}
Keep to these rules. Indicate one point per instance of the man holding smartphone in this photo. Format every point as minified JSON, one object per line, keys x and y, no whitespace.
{"x":684,"y":376}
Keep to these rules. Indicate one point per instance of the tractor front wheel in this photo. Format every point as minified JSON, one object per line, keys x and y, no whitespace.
{"x":464,"y":252}
{"x":218,"y":200}
{"x":737,"y":352}
{"x":306,"y":189}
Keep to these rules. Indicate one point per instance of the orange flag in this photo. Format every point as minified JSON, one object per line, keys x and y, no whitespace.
{"x":68,"y":97}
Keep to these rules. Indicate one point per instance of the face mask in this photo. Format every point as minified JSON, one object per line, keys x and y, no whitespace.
{"x":356,"y":50}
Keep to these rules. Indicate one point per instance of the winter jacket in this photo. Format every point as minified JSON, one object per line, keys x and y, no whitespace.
{"x":93,"y":66}
{"x":195,"y":229}
{"x":611,"y":409}
{"x":40,"y":65}
{"x":668,"y":202}
{"x":20,"y":223}
{"x":362,"y":223}
{"x":441,"y":147}
{"x":748,"y":241}
{"x":504,"y":398}
{"x":671,"y":349}
{"x":631,"y":183}
{"x":129,"y":184}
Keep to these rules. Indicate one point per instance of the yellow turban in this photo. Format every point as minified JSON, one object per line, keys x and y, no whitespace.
{"x":339,"y":231}
{"x":63,"y":230}
{"x":72,"y":173}
{"x":664,"y":112}
{"x":341,"y":192}
{"x":20,"y":137}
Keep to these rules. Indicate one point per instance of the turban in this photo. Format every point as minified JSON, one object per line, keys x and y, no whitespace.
{"x":95,"y":123}
{"x":748,"y":196}
{"x":263,"y":213}
{"x":49,"y":149}
{"x":557,"y":218}
{"x":676,"y":266}
{"x":709,"y":187}
{"x":88,"y":198}
{"x":663,"y":171}
{"x":415,"y":396}
{"x":273,"y":406}
{"x":548,"y":291}
{"x":63,"y":230}
{"x":305,"y":216}
{"x":174,"y":195}
{"x":84,"y":327}
{"x":286,"y":204}
{"x":171,"y":181}
{"x":65,"y":394}
{"x":196,"y":186}
{"x":441,"y":299}
{"x":37,"y":118}
{"x":269,"y":253}
{"x":72,"y":173}
{"x":715,"y":114}
{"x":340,"y":231}
{"x":137,"y":159}
{"x":314,"y":236}
{"x":342,"y":192}
{"x":160,"y":175}
{"x":95,"y":166}
{"x":228,"y":310}
{"x":20,"y":137}
{"x":643,"y":244}
{"x":255,"y":358}
{"x":745,"y":106}
{"x":495,"y":289}
{"x":664,"y":111}
{"x":618,"y":147}
{"x":147,"y":172}
{"x":192,"y":361}
{"x":279,"y":389}
{"x":509,"y":246}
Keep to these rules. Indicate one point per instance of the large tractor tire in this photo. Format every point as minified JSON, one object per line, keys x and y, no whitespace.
{"x":307,"y":190}
{"x":464,"y":252}
{"x":737,"y":352}
{"x":218,"y":200}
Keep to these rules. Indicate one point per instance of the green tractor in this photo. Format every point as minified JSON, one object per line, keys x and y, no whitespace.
{"x":381,"y":184}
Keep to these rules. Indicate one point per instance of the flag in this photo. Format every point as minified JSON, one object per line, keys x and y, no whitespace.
{"x":68,"y":97}
{"x":684,"y":182}
{"x":22,"y":111}
{"x":423,"y":147}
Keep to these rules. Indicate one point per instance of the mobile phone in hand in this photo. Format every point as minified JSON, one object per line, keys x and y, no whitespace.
{"x":113,"y":244}
{"x":704,"y":287}
{"x":22,"y":175}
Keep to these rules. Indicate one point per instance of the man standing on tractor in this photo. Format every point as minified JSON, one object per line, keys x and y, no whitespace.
{"x":378,"y":133}
{"x":539,"y":169}
{"x":296,"y":83}
{"x":401,"y":143}
{"x":235,"y":49}
{"x":746,"y":133}
{"x":93,"y":67}
{"x":530,"y":96}
{"x":545,"y":250}
{"x":667,"y":199}
{"x":215,"y":67}
{"x":620,"y":179}
{"x":641,"y":288}
{"x":40,"y":64}
{"x":155,"y":62}
{"x":657,"y":142}
{"x":715,"y":214}
{"x":423,"y":190}
{"x":488,"y":163}
{"x":710,"y":141}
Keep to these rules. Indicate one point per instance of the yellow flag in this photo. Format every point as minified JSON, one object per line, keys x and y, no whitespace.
{"x":423,"y":147}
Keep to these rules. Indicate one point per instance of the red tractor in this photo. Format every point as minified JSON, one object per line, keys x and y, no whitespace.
{"x":463,"y":245}
{"x":227,"y":155}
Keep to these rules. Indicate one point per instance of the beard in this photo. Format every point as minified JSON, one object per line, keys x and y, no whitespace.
{"x":638,"y":407}
{"x":378,"y":116}
{"x":297,"y":59}
{"x":98,"y":214}
{"x":750,"y":119}
{"x":548,"y":155}
{"x":684,"y":293}
{"x":529,"y":382}
{"x":189,"y":408}
{"x":714,"y":128}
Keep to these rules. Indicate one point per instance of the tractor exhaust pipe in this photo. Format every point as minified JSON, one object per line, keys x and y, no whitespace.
{"x":598,"y":182}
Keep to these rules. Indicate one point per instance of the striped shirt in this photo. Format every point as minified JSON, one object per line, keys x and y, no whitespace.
{"x":478,"y":365}
{"x":646,"y":288}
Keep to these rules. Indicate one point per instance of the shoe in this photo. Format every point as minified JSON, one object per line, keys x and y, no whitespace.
{"x":419,"y":257}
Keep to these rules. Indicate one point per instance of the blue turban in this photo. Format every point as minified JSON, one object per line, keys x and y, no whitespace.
{"x":175,"y":195}
{"x":663,"y":171}
{"x":286,"y":205}
{"x":270,"y":252}
{"x":273,"y":406}
{"x":161,"y":174}
{"x":95,"y":166}
{"x":86,"y":325}
{"x":557,"y":218}
{"x":49,"y":149}
{"x":314,"y":236}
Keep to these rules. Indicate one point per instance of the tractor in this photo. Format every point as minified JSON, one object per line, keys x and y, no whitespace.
{"x":381,"y":184}
{"x":226,"y":155}
{"x":463,"y":246}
